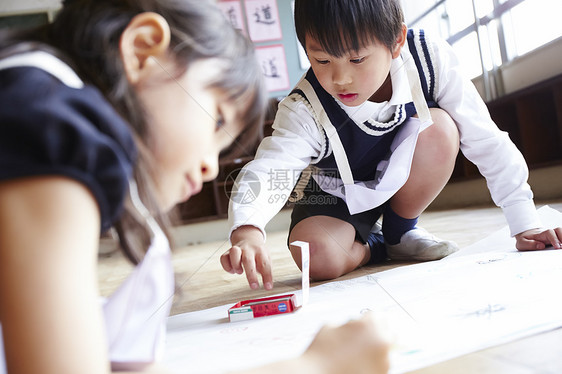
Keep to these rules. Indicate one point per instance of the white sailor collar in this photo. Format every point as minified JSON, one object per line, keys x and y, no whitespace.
{"x":401,"y":94}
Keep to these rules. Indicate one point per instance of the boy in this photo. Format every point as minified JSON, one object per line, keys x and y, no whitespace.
{"x":360,"y":116}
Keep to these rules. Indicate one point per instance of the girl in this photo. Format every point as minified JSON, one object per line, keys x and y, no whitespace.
{"x":111,"y":115}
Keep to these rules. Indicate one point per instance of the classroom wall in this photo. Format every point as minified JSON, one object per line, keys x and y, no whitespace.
{"x":26,"y":6}
{"x":517,"y":74}
{"x":290,"y":43}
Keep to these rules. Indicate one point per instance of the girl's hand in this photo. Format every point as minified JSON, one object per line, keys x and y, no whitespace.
{"x":248,"y":254}
{"x":536,"y":239}
{"x":357,"y":347}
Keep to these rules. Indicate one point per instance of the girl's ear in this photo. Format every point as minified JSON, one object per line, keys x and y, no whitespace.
{"x":147,"y":35}
{"x":400,"y":41}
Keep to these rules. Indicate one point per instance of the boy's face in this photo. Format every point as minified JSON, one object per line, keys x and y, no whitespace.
{"x":355,"y":77}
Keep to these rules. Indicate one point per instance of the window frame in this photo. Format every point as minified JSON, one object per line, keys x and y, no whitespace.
{"x":490,"y":81}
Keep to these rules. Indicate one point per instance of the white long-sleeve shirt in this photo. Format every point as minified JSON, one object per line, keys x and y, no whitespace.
{"x":297,"y":142}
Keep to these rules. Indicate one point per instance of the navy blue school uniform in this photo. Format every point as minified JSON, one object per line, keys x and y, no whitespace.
{"x":50,"y":128}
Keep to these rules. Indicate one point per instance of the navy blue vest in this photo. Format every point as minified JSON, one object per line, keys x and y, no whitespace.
{"x":364,"y":151}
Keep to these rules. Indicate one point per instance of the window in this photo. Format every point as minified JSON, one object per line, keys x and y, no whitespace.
{"x":487,"y":33}
{"x":542,"y":25}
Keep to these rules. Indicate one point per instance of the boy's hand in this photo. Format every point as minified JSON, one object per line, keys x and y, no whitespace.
{"x":538,"y":239}
{"x":248,"y":254}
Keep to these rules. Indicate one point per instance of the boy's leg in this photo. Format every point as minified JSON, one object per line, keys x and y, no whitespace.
{"x":432,"y":166}
{"x":336,"y":238}
{"x":333,"y":248}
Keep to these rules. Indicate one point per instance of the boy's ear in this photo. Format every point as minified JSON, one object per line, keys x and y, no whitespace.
{"x":147,"y":35}
{"x":400,"y":41}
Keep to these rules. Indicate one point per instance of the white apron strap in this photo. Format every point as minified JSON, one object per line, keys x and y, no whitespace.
{"x":333,"y":137}
{"x":337,"y":147}
{"x":415,"y":87}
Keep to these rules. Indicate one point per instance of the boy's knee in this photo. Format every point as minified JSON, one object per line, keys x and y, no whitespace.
{"x":444,"y":128}
{"x":324,"y":261}
{"x":440,"y":139}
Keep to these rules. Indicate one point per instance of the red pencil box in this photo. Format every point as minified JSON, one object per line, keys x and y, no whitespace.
{"x":267,"y":306}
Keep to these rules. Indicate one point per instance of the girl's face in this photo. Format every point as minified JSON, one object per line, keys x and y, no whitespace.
{"x":355,"y":77}
{"x":189,"y":125}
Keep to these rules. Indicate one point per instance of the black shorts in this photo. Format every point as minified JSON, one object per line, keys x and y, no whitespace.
{"x":317,"y":202}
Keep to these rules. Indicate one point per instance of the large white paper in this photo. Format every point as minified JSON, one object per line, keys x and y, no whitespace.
{"x":487,"y":294}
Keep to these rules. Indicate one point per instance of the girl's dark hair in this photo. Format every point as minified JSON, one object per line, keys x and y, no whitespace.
{"x":86,"y":35}
{"x":348,"y":25}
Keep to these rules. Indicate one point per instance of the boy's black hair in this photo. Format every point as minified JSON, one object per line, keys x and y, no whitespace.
{"x":348,"y":25}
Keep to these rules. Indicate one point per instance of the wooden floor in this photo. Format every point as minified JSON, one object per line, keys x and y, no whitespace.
{"x":203,"y":284}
